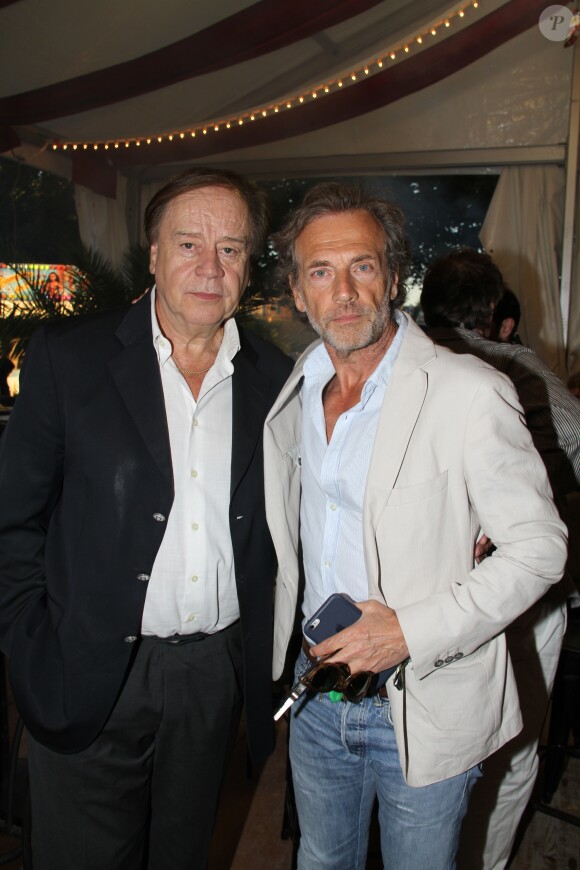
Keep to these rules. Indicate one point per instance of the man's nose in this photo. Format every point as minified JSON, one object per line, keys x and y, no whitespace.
{"x":208,"y":264}
{"x":344,"y":287}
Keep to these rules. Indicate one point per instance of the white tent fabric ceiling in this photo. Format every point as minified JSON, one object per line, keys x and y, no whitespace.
{"x":50,"y":43}
{"x":517,"y":95}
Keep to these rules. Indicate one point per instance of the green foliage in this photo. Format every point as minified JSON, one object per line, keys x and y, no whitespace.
{"x":96,"y":286}
{"x":292,"y":334}
{"x":37,"y":214}
{"x":443,"y":212}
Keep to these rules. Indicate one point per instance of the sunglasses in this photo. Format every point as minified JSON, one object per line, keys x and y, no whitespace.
{"x":327,"y":677}
{"x":336,"y":680}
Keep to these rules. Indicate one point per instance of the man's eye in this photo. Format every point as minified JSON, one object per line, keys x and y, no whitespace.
{"x":227,"y":250}
{"x":189,"y":246}
{"x":364,"y":267}
{"x":319,"y":273}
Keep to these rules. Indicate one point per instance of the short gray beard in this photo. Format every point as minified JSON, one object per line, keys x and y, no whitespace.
{"x":369,"y":332}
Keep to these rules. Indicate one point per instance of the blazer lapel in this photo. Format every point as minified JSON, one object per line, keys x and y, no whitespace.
{"x":136,"y":373}
{"x":404,"y":400}
{"x":286,"y":429}
{"x":250,"y":402}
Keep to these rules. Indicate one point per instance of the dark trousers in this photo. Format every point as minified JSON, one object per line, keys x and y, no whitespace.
{"x":145,"y":793}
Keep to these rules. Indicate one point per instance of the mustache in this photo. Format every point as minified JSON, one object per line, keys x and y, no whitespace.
{"x":346,"y":311}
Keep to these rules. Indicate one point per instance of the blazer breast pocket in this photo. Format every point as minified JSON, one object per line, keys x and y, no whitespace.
{"x":414,"y":521}
{"x":418,"y":492}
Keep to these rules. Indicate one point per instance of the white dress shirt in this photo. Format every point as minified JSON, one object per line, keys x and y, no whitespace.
{"x":192,"y":586}
{"x":334,"y":478}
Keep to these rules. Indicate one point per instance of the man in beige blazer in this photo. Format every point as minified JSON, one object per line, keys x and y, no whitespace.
{"x":386,"y":458}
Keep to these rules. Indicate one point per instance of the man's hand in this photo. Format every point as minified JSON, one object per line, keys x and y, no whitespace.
{"x":373,"y":643}
{"x":483,"y":548}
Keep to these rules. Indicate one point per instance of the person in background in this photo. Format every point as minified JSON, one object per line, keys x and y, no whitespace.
{"x":136,"y":567}
{"x":574,"y":384}
{"x":384,"y":456}
{"x":462,"y":293}
{"x":506,"y":318}
{"x":459,"y":298}
{"x":53,"y":288}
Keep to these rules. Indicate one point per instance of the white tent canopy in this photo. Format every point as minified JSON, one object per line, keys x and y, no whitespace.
{"x":489,"y":91}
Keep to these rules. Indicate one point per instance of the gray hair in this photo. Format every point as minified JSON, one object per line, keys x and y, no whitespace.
{"x":256,"y":201}
{"x":333,"y":198}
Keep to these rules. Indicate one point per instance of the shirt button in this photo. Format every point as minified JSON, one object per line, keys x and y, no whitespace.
{"x":195,"y":526}
{"x":131,"y":638}
{"x":143,"y":577}
{"x":327,"y":564}
{"x":193,"y":472}
{"x":194,"y":578}
{"x":195,"y":423}
{"x":159,"y":518}
{"x":333,"y":507}
{"x":190,"y":618}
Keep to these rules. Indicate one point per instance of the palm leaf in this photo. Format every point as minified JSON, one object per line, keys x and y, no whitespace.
{"x":96,"y":286}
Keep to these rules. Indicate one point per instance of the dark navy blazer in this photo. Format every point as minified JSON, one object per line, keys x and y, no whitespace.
{"x":86,"y":485}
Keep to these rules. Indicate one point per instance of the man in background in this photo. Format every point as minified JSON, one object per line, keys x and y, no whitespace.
{"x":506,"y":318}
{"x":136,"y":567}
{"x":462,"y":293}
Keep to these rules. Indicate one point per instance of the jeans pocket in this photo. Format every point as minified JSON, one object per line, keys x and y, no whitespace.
{"x":303,"y":663}
{"x":386,"y":711}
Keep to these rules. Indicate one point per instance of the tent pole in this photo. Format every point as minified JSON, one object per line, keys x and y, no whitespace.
{"x":570,"y":195}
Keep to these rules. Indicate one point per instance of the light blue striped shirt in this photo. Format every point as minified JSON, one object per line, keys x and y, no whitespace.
{"x":334,"y":478}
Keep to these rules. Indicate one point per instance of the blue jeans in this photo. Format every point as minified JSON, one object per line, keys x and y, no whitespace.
{"x":343,"y":756}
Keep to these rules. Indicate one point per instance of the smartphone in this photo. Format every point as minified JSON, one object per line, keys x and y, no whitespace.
{"x":338,"y":612}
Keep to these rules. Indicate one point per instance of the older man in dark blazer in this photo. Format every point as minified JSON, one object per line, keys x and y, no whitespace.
{"x":136,"y":566}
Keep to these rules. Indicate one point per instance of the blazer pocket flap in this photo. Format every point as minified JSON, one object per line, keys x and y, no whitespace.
{"x":418,"y":491}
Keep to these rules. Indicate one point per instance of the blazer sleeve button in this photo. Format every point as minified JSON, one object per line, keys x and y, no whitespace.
{"x":449,"y":659}
{"x":438,"y":663}
{"x":143,"y":577}
{"x":458,"y":655}
{"x":159,"y":518}
{"x":131,"y":638}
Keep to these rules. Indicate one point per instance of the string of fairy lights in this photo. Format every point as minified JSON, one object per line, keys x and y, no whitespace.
{"x":351,"y":78}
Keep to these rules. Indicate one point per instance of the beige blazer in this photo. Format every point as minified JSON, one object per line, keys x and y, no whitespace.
{"x":452,"y":457}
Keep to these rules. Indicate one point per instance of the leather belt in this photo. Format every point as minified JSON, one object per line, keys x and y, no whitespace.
{"x":381,"y":692}
{"x":179,"y":639}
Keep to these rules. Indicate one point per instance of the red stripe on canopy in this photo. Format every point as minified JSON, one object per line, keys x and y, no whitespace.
{"x":424,"y":69}
{"x":265,"y":26}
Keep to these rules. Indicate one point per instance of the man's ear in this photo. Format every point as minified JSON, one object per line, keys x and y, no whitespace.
{"x":298,"y":298}
{"x":152,"y":258}
{"x":394,"y":288}
{"x":506,"y":329}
